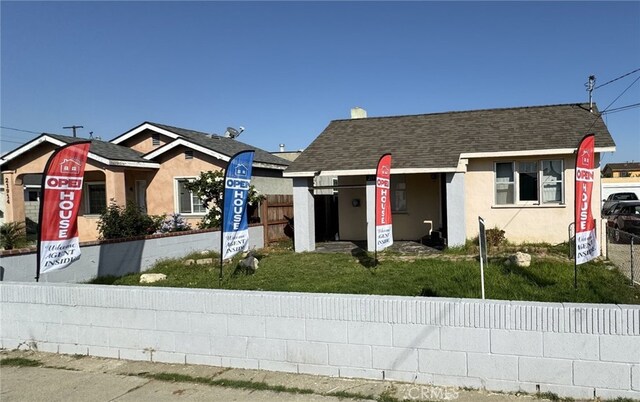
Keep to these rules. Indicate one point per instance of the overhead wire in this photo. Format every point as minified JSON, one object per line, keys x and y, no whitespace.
{"x":19,"y":129}
{"x":616,"y":79}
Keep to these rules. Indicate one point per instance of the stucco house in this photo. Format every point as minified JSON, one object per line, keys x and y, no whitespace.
{"x":514,"y":167}
{"x":148,"y":165}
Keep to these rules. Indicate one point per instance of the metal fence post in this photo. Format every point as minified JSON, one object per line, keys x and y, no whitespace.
{"x":631,"y":252}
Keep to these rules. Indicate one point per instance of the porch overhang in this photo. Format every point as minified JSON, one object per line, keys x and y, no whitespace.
{"x":365,"y":172}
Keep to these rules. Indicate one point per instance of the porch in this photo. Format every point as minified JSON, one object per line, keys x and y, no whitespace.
{"x":422,"y":204}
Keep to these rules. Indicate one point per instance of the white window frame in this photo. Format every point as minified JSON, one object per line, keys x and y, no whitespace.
{"x":561,"y":181}
{"x":87,"y":197}
{"x":540,"y":186}
{"x":176,"y":196}
{"x":514,"y":182}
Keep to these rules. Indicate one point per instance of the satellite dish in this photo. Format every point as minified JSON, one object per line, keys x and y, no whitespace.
{"x":232,"y":132}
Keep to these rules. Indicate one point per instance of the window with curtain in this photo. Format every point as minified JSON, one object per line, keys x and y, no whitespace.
{"x":552,"y":181}
{"x":505,"y":184}
{"x":529,"y":181}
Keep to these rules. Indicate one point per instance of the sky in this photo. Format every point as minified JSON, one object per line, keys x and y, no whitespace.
{"x":284,"y":70}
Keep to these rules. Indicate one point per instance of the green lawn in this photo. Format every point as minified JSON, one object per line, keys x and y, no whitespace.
{"x":547,"y":279}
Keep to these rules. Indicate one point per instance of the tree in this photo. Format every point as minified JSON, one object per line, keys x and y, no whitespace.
{"x":209,"y":187}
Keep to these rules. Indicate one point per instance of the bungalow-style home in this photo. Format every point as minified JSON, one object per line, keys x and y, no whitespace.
{"x":148,"y":165}
{"x":513,"y":167}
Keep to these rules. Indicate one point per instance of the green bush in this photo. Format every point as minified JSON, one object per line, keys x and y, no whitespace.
{"x":495,"y":237}
{"x":117,"y":222}
{"x":12,"y":235}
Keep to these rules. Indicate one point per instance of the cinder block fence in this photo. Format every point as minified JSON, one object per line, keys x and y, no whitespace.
{"x":568,"y":349}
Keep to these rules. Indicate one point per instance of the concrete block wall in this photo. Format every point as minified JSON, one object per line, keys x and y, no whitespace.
{"x":119,"y":258}
{"x":573,"y":350}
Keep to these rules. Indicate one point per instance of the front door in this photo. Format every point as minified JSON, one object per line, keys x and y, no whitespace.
{"x":141,"y":195}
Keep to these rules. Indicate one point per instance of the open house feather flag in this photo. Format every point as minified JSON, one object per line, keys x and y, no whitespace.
{"x":235,"y":225}
{"x":384,"y":232}
{"x":586,"y":242}
{"x":58,"y":241}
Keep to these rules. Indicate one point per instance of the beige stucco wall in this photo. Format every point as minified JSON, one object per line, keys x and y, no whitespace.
{"x":522,"y":222}
{"x":353,"y":220}
{"x":423,"y":203}
{"x":161,"y":186}
{"x":142,"y":142}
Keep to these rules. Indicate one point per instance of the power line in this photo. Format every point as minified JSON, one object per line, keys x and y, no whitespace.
{"x":599,"y":116}
{"x":616,"y":79}
{"x":622,"y":93}
{"x":622,"y":108}
{"x":18,"y":129}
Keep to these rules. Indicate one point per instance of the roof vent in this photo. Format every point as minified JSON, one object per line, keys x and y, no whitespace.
{"x":358,"y":113}
{"x":281,"y":147}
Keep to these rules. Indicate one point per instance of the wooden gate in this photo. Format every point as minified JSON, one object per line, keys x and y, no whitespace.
{"x":273,"y":211}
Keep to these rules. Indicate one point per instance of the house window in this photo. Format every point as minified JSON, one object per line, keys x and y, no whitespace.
{"x":155,"y":139}
{"x":505,"y":184}
{"x":552,"y":181}
{"x":398,"y":194}
{"x":528,"y":181}
{"x":187,"y":202}
{"x":95,"y":198}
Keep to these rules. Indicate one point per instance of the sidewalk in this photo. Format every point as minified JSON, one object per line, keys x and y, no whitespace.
{"x":56,"y":377}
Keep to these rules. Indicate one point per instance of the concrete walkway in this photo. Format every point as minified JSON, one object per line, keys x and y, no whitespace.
{"x":83,"y":378}
{"x":400,"y":247}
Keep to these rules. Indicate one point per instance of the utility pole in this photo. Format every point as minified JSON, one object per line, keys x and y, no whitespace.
{"x":590,"y":85}
{"x":74,"y":127}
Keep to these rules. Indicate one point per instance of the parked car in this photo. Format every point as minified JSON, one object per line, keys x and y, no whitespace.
{"x":625,"y":220}
{"x":614,"y":198}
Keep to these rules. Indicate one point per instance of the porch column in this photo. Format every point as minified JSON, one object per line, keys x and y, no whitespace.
{"x":115,"y":186}
{"x":371,"y":213}
{"x":456,"y":225}
{"x":303,"y":215}
{"x":14,"y":198}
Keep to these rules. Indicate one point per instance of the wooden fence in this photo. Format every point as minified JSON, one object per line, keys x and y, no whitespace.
{"x":273,"y":211}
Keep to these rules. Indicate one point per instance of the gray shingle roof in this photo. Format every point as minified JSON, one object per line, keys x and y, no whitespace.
{"x":622,"y":166}
{"x":437,"y":140}
{"x":223,"y":145}
{"x":105,"y":149}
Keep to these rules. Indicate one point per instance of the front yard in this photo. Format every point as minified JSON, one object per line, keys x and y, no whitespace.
{"x":549,"y":278}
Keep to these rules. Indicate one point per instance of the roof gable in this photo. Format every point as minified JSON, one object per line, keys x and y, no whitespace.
{"x":214,"y":145}
{"x":100,"y":151}
{"x":437,"y":142}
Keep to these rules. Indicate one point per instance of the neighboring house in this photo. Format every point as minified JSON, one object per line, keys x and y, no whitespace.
{"x":513,"y":167}
{"x":621,"y":178}
{"x":149,"y":165}
{"x":621,"y":170}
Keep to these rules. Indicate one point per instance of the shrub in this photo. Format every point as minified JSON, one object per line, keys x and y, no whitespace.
{"x":495,"y":237}
{"x":117,"y":222}
{"x":209,"y":187}
{"x":12,"y":234}
{"x":174,"y":223}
